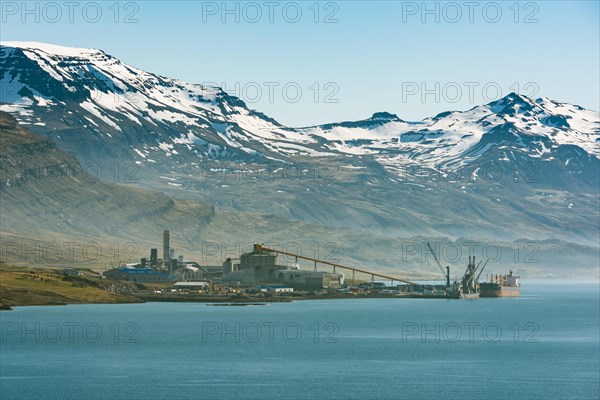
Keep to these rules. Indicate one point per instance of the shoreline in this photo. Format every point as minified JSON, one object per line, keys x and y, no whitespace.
{"x":225,"y":300}
{"x":22,"y":287}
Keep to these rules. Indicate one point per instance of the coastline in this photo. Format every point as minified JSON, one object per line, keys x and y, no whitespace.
{"x":22,"y":286}
{"x":48,"y":287}
{"x":225,"y":299}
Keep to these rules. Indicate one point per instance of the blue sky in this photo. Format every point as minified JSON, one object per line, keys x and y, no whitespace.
{"x":347,"y":61}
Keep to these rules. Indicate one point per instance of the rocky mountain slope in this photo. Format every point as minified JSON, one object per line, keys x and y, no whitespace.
{"x":47,"y":196}
{"x":53,"y":212}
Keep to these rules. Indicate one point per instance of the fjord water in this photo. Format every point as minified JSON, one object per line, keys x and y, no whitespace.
{"x":542,"y":345}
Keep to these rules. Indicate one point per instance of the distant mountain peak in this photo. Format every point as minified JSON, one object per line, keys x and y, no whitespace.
{"x":384,"y":116}
{"x":512,"y":104}
{"x":51,"y":48}
{"x":515,"y":97}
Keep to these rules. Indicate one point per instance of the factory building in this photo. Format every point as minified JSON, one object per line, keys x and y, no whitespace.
{"x":153,"y":257}
{"x":141,"y":275}
{"x":253,"y":267}
{"x":263,"y":266}
{"x":190,"y":271}
{"x":312,"y":280}
{"x":213,"y":272}
{"x":186,"y":286}
{"x":275,"y":289}
{"x":166,"y":246}
{"x":260,"y":266}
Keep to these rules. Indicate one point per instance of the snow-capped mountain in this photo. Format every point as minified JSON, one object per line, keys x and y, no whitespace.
{"x":453,"y":136}
{"x":109,"y":99}
{"x":106,"y":98}
{"x":102,"y":110}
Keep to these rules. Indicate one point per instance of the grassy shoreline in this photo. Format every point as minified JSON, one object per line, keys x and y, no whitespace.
{"x":45,"y":286}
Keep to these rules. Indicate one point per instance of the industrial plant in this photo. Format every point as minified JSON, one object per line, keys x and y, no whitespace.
{"x":170,"y":268}
{"x":257,"y":267}
{"x":261,"y":270}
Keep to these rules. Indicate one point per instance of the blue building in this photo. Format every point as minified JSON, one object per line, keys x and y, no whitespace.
{"x":141,"y":275}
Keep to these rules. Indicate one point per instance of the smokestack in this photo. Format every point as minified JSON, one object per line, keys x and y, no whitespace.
{"x":447,"y":276}
{"x":166,"y":245}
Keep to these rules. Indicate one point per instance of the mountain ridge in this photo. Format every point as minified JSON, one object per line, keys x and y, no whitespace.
{"x":99,"y":76}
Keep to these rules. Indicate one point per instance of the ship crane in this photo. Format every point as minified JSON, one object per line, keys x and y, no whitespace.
{"x":446,"y":273}
{"x":481,"y":270}
{"x":470,"y":279}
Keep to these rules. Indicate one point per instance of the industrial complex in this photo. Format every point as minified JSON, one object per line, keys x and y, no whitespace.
{"x":260,"y":270}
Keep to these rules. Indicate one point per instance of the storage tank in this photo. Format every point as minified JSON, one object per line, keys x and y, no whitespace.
{"x":227,"y":266}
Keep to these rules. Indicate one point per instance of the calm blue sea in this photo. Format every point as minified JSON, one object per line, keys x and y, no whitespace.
{"x":543,"y":345}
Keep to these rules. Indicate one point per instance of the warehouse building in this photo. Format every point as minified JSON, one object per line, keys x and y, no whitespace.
{"x":141,"y":275}
{"x":310,"y":280}
{"x":187,"y":286}
{"x":275,"y":288}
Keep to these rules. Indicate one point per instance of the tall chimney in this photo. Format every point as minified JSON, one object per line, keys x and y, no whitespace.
{"x":166,"y":245}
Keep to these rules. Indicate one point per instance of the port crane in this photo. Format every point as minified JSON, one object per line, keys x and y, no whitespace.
{"x":446,"y":273}
{"x":261,"y":248}
{"x":481,"y":270}
{"x":471,"y":276}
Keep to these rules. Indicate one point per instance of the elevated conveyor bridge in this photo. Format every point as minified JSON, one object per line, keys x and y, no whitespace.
{"x":261,"y":248}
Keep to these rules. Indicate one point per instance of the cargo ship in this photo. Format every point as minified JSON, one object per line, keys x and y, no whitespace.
{"x":501,"y":286}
